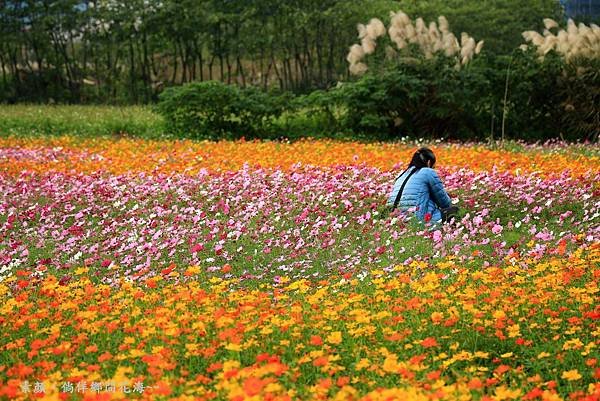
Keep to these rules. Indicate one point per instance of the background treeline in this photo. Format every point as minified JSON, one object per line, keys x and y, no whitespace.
{"x":272,"y":69}
{"x":128,"y":51}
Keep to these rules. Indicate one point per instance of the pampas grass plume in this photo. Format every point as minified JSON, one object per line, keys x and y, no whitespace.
{"x":468,"y":48}
{"x":362,"y":31}
{"x":577,"y":40}
{"x":549,"y":23}
{"x":368,"y":45}
{"x":571,"y":27}
{"x":430,"y":39}
{"x":375,"y":28}
{"x":358,"y":68}
{"x":420,"y":26}
{"x":443,"y":24}
{"x":410,"y":32}
{"x":356,"y":54}
{"x":404,"y":18}
{"x":479,"y":47}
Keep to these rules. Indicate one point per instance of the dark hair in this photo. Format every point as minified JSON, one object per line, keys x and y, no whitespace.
{"x":421,"y":156}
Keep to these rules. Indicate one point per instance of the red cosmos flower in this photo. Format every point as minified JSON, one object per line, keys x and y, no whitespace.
{"x":429,"y":342}
{"x":321,"y":361}
{"x":475,"y":384}
{"x":22,"y":284}
{"x":169,"y":269}
{"x":593,"y":314}
{"x":502,"y":369}
{"x":342,"y":381}
{"x":214,"y":366}
{"x":535,"y":393}
{"x":253,"y":386}
{"x":434,"y":375}
{"x":316,"y":340}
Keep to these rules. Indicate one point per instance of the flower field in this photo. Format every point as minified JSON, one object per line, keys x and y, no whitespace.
{"x":137,"y":269}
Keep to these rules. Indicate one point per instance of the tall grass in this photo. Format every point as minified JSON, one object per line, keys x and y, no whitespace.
{"x":87,"y":121}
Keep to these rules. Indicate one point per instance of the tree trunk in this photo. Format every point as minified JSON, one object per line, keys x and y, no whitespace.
{"x":200,"y":61}
{"x":277,"y":73}
{"x":175,"y":66}
{"x":228,"y":70}
{"x":287,"y":66}
{"x":146,"y":68}
{"x":330,"y":59}
{"x":184,"y":66}
{"x":319,"y":48}
{"x":221,"y":63}
{"x":263,"y":73}
{"x":210,"y":67}
{"x":2,"y":64}
{"x":267,"y":74}
{"x":240,"y":71}
{"x":132,"y":83}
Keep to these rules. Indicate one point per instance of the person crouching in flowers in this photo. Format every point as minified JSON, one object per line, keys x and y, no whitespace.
{"x":419,"y":188}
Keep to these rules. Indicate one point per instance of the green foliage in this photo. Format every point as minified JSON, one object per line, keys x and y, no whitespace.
{"x":516,"y":97}
{"x":214,"y":110}
{"x":421,"y":98}
{"x":579,"y":94}
{"x":547,"y":98}
{"x":313,"y":115}
{"x":126,"y":52}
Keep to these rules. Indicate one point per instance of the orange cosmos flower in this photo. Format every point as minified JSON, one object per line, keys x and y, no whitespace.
{"x":253,"y":386}
{"x":429,"y":342}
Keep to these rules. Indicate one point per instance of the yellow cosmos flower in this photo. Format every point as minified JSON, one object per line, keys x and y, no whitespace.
{"x":571,"y":375}
{"x":81,"y":270}
{"x":192,"y":270}
{"x":363,"y":364}
{"x":504,"y":393}
{"x":136,"y":353}
{"x":233,"y":347}
{"x":572,"y":344}
{"x":390,"y":364}
{"x":335,"y":337}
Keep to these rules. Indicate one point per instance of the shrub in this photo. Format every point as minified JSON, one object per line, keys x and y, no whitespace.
{"x":573,"y":91}
{"x":428,"y":97}
{"x":579,"y":92}
{"x":313,"y":115}
{"x":214,"y":110}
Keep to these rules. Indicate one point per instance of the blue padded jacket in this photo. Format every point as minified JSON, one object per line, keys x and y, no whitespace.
{"x":423,"y":191}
